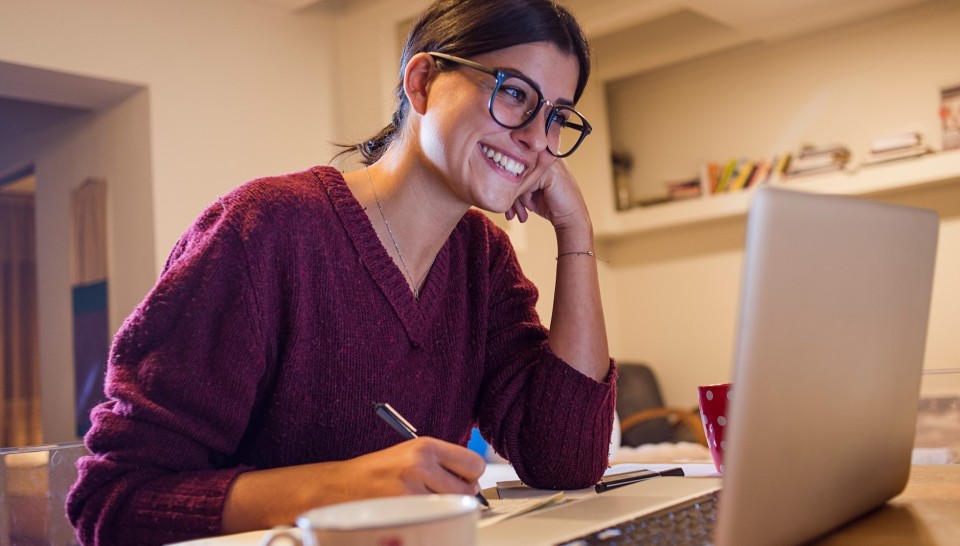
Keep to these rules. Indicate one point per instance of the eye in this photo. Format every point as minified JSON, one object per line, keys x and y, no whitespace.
{"x":513,"y":93}
{"x":557,"y":119}
{"x":561,"y":117}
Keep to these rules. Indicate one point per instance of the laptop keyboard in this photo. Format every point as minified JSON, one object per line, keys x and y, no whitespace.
{"x":688,"y":523}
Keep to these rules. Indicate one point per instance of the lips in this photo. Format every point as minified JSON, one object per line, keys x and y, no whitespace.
{"x":510,"y":165}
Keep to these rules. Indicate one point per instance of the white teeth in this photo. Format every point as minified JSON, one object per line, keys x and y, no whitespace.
{"x":505,"y":162}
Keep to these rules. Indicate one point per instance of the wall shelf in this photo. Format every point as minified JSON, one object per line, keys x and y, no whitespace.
{"x":886,"y":178}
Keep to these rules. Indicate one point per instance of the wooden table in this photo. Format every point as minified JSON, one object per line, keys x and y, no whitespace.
{"x":927,"y":513}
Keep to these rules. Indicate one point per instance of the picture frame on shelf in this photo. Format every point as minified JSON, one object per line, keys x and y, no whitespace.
{"x":950,"y":117}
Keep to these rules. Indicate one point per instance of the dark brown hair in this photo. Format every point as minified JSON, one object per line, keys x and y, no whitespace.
{"x":466,"y":28}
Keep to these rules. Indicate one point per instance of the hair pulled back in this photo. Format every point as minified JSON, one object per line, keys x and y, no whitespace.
{"x":466,"y":28}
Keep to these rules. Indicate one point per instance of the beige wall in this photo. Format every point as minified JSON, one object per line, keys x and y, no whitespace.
{"x":237,"y":89}
{"x":677,"y":290}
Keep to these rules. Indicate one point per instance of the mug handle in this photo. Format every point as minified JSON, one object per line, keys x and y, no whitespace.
{"x":280,"y":532}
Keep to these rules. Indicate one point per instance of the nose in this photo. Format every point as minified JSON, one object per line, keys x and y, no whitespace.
{"x":534,"y":134}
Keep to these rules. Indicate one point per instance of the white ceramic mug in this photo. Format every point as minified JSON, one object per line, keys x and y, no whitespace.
{"x":420,"y":520}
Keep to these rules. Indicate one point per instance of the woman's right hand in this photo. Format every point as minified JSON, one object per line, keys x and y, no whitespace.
{"x":265,"y":498}
{"x":420,"y":466}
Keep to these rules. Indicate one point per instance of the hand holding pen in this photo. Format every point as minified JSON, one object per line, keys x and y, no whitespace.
{"x":408,"y":431}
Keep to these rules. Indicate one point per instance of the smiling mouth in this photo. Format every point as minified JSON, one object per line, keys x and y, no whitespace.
{"x":511,"y":166}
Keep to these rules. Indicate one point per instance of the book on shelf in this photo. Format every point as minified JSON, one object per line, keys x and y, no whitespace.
{"x":898,"y":141}
{"x":741,"y":175}
{"x":761,"y":172}
{"x":838,"y":151}
{"x":819,"y":159}
{"x":684,"y":189}
{"x":896,"y":154}
{"x":823,"y":169}
{"x":723,"y":181}
{"x":709,"y":175}
{"x":734,"y":175}
{"x":815,"y":162}
{"x":779,"y":168}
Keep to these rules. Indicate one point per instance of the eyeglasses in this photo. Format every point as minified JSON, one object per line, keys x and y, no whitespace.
{"x":516,"y":100}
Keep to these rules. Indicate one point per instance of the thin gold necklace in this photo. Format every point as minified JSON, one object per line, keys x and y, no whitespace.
{"x":415,"y":284}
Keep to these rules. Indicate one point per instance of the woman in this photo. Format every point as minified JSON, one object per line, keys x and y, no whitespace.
{"x":242,"y":388}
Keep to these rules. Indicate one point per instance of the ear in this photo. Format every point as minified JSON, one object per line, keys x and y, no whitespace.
{"x":416,"y":80}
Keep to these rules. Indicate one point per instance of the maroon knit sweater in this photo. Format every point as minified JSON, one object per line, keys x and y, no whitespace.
{"x":277,"y":322}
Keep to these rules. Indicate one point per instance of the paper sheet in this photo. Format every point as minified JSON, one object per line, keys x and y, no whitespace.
{"x":501,"y":509}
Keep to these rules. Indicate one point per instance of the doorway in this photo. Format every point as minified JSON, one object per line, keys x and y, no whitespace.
{"x":20,"y":408}
{"x":71,"y":128}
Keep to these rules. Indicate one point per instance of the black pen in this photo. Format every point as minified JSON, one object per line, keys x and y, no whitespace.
{"x":626,"y":478}
{"x":401,"y":425}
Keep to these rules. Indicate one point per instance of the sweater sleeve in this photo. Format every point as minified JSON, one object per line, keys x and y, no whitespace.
{"x":181,"y":381}
{"x":549,"y":420}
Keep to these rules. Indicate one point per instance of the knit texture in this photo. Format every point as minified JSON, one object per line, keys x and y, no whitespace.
{"x":278,"y":320}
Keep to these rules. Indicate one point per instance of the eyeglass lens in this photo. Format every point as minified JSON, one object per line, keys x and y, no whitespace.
{"x":515,"y":101}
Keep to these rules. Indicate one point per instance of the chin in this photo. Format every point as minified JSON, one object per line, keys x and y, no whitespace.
{"x":491,"y":210}
{"x":494,"y":206}
{"x":486,"y":198}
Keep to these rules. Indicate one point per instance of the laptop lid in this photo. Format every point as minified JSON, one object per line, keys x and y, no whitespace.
{"x":834,"y":306}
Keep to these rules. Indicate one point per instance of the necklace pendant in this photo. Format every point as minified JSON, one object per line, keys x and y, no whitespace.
{"x":413,"y":283}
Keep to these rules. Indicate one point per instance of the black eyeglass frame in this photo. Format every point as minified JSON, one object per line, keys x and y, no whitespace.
{"x":502,"y":75}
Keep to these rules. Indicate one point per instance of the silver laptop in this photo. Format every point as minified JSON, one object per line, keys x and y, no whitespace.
{"x":834,"y":305}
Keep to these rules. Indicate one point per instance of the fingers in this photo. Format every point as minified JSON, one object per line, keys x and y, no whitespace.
{"x":458,"y":469}
{"x":516,"y":211}
{"x":522,"y":207}
{"x":520,"y":211}
{"x":434,"y":466}
{"x":529,"y":201}
{"x":460,"y":461}
{"x":552,"y":194}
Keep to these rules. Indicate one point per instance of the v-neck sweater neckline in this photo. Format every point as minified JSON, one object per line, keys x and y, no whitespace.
{"x":414,"y":314}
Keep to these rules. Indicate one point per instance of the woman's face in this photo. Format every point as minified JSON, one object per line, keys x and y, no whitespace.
{"x":458,"y":136}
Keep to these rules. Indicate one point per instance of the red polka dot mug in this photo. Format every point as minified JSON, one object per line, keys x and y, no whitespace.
{"x":713,"y":413}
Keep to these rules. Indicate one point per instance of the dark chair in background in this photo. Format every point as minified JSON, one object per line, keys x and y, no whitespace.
{"x":644,"y":419}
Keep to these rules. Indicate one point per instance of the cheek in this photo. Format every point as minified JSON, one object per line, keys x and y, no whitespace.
{"x":435,"y":135}
{"x":447,"y":134}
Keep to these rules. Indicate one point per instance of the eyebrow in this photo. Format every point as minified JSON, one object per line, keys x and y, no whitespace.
{"x":558,"y":102}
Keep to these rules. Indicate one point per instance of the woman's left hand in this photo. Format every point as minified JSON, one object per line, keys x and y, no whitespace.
{"x":577,"y":332}
{"x":554,"y":195}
